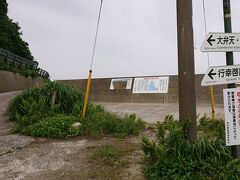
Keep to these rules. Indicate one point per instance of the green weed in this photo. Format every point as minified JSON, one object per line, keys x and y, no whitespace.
{"x":59,"y":126}
{"x":33,"y":112}
{"x":109,"y":160}
{"x":66,"y":98}
{"x":172,"y":156}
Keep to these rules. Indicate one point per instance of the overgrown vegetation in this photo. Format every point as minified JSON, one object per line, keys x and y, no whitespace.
{"x":109,"y":159}
{"x":211,"y":129}
{"x":22,"y":71}
{"x":36,"y":115}
{"x":99,"y":121}
{"x":10,"y":34}
{"x":172,"y":156}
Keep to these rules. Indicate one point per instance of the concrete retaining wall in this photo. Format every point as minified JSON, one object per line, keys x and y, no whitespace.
{"x":100,"y":92}
{"x":15,"y":82}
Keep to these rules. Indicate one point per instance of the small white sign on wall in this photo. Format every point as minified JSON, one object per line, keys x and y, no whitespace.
{"x":121,"y":83}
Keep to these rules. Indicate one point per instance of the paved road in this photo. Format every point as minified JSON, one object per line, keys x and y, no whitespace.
{"x":149,"y":112}
{"x":23,"y":157}
{"x":5,"y":125}
{"x":156,"y":112}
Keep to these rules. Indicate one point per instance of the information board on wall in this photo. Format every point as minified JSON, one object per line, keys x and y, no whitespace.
{"x":151,"y":85}
{"x":232,"y":116}
{"x":121,"y":83}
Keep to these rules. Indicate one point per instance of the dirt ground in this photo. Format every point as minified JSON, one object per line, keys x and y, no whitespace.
{"x":68,"y":159}
{"x":23,"y":157}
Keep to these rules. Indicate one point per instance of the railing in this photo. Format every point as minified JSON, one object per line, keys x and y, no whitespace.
{"x":19,"y":62}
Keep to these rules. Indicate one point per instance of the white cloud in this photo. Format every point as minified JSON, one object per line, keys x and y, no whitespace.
{"x":136,"y":37}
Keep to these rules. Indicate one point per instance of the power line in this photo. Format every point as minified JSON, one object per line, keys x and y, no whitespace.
{"x":205,"y":24}
{"x":90,"y":71}
{"x":211,"y":87}
{"x":96,"y":35}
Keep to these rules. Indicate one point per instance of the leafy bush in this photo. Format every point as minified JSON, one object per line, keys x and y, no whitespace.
{"x":212,"y":128}
{"x":34,"y":115}
{"x":66,"y":98}
{"x":59,"y":126}
{"x":100,"y":121}
{"x":11,"y":34}
{"x":22,"y":71}
{"x":174,"y":157}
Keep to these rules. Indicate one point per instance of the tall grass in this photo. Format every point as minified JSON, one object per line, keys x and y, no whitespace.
{"x":172,"y":156}
{"x":66,"y":98}
{"x":35,"y":115}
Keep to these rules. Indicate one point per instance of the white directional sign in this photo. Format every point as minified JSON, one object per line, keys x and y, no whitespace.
{"x":232,"y":116}
{"x":221,"y":75}
{"x":221,"y":42}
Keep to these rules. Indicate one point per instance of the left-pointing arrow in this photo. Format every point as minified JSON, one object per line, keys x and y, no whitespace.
{"x":210,"y":40}
{"x":210,"y":74}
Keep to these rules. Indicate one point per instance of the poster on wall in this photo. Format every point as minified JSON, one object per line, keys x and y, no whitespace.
{"x":151,"y":85}
{"x":121,"y":83}
{"x":232,"y":116}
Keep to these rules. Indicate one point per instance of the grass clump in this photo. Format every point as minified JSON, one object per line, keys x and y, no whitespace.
{"x":99,"y":121}
{"x":212,"y":128}
{"x":172,"y":156}
{"x":59,"y":126}
{"x":33,"y":111}
{"x":36,"y":101}
{"x":109,"y":160}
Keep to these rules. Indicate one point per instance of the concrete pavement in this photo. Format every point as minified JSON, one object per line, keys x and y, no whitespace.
{"x":152,"y":113}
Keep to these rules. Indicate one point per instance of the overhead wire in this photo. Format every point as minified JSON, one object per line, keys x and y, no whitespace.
{"x":96,"y":35}
{"x":91,"y":66}
{"x":205,"y":25}
{"x":211,"y":87}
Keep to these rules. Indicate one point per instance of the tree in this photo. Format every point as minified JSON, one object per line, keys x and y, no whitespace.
{"x":10,"y":34}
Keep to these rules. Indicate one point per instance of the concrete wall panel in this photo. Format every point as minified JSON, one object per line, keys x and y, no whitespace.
{"x":100,"y":92}
{"x":15,"y":82}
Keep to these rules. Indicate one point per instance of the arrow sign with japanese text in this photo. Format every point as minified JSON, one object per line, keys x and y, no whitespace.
{"x":221,"y":75}
{"x":221,"y":42}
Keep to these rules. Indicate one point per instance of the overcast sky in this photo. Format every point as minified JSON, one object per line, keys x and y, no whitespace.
{"x":136,"y":37}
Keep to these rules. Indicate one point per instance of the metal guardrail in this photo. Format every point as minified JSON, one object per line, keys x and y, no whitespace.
{"x":19,"y":62}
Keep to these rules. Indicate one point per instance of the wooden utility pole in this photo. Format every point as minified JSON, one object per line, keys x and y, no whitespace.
{"x":229,"y":55}
{"x":186,"y":69}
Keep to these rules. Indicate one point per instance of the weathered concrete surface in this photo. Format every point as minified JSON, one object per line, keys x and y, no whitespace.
{"x":152,"y":113}
{"x":64,"y":159}
{"x":10,"y":143}
{"x":23,"y":157}
{"x":15,"y":82}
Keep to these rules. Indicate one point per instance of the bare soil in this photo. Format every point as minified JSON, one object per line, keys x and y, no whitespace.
{"x":70,"y":159}
{"x":23,"y":157}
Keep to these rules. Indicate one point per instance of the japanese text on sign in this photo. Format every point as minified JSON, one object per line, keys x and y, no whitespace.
{"x":221,"y":75}
{"x":232,"y":116}
{"x":151,"y":85}
{"x":221,"y":42}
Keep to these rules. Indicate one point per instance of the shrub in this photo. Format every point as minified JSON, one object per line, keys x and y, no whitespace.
{"x":66,"y":98}
{"x":212,"y":128}
{"x":22,"y":71}
{"x":59,"y":126}
{"x":100,"y":121}
{"x":32,"y":111}
{"x":34,"y":115}
{"x":174,"y":157}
